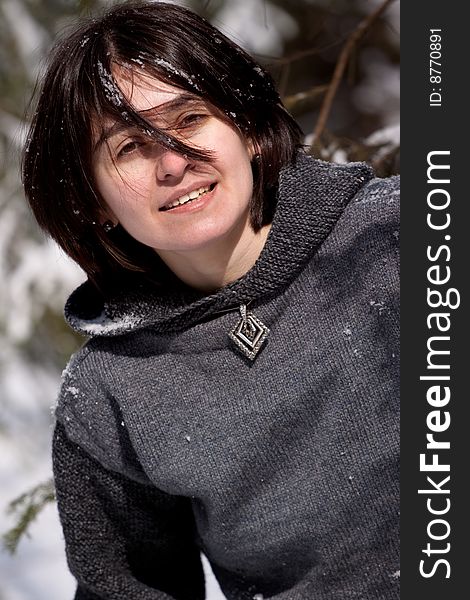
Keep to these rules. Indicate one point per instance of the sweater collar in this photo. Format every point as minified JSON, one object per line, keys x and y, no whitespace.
{"x":312,"y":196}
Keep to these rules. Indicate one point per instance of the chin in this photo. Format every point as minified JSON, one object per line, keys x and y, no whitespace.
{"x":205,"y":237}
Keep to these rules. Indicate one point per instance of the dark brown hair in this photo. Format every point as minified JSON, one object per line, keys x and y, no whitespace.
{"x":176,"y":46}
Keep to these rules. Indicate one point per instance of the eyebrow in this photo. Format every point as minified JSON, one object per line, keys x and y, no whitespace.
{"x":182,"y":100}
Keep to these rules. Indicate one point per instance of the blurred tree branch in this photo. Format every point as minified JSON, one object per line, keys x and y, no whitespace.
{"x":303,"y":101}
{"x":343,"y":60}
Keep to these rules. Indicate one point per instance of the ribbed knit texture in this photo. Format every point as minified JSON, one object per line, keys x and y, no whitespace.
{"x":283,"y":471}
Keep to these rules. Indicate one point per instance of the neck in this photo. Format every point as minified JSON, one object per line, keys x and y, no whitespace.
{"x":220,"y":263}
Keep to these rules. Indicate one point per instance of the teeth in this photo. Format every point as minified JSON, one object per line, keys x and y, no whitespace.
{"x":182,"y":200}
{"x":187,"y":197}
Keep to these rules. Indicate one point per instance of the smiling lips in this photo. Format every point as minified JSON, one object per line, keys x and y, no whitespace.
{"x":188,"y":197}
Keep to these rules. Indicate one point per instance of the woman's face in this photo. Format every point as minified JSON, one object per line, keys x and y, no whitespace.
{"x":164,"y":199}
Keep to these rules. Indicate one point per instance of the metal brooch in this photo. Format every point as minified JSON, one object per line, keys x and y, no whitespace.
{"x":249,"y":333}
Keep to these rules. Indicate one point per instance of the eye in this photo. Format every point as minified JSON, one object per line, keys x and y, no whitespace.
{"x":192,"y":119}
{"x":130,"y":147}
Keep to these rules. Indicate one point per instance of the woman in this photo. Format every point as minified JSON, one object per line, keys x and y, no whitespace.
{"x":238,"y":393}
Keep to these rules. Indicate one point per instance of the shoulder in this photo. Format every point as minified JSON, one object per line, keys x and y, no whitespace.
{"x":365,"y":243}
{"x":89,"y":413}
{"x":377,"y":204}
{"x":80,"y":379}
{"x":372,"y":217}
{"x":384,"y":191}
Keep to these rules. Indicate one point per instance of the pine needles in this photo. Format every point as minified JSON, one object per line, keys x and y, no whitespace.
{"x":26,"y":508}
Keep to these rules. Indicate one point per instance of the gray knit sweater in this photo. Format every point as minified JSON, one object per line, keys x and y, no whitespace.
{"x":282,"y":470}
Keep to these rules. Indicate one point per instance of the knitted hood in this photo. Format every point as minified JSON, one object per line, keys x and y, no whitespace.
{"x":312,"y":196}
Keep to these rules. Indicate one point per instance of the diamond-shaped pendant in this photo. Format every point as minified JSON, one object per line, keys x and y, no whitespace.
{"x":249,"y":333}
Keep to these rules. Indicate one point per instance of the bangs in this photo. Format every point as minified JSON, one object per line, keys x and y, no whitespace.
{"x":108,"y":102}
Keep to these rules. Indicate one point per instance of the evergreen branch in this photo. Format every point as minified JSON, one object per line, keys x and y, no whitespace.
{"x":26,"y":508}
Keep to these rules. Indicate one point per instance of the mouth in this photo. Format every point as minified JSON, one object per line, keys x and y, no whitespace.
{"x":189,"y":197}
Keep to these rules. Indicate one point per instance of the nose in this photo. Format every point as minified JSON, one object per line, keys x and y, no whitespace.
{"x":171,"y":165}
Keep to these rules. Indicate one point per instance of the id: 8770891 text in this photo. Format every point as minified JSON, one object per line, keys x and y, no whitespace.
{"x":435,"y":67}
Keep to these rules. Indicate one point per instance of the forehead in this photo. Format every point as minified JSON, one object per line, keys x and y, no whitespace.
{"x":144,"y":92}
{"x":153,"y":99}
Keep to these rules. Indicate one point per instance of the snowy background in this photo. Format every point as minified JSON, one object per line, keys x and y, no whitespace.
{"x":299,"y":42}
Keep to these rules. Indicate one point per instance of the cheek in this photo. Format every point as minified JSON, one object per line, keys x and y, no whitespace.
{"x":247,"y":171}
{"x":238,"y":158}
{"x":246,"y":179}
{"x":122,"y":189}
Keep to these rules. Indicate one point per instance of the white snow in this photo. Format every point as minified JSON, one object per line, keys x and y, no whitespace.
{"x":103,"y":324}
{"x":380,"y":90}
{"x":110,"y":89}
{"x":259,"y":27}
{"x":29,"y":35}
{"x":169,"y":68}
{"x":38,"y":570}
